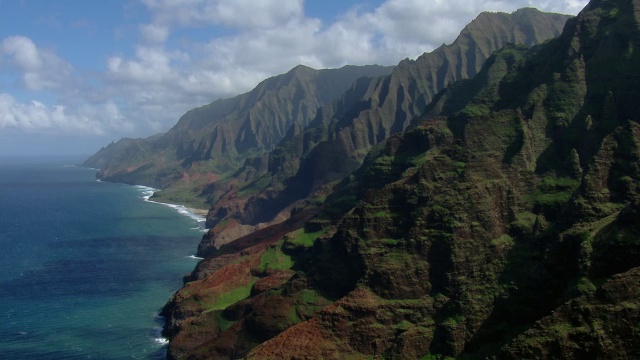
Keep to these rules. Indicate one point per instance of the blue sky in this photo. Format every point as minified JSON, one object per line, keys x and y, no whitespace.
{"x":76,"y":74}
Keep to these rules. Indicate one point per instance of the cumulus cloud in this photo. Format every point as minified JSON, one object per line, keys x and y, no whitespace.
{"x":272,"y":36}
{"x":152,"y":65}
{"x":408,"y":28}
{"x":40,"y":69}
{"x":154,"y":33}
{"x":146,"y":92}
{"x":35,"y":116}
{"x":238,"y":13}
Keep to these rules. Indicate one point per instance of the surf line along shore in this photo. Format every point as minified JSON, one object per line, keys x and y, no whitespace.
{"x":200,"y":215}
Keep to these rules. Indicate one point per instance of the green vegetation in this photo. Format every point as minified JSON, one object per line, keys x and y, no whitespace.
{"x":584,"y":285}
{"x":430,"y":356}
{"x":390,"y":242}
{"x":255,"y":187}
{"x":303,"y":238}
{"x":273,"y":258}
{"x":553,"y":193}
{"x":382,"y":214}
{"x":318,"y":200}
{"x":475,"y":110}
{"x":524,"y":222}
{"x":231,"y":297}
{"x":309,"y":296}
{"x":181,"y":195}
{"x":503,"y":241}
{"x":453,"y":320}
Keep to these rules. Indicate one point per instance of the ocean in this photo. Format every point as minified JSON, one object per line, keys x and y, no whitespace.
{"x":86,"y":266}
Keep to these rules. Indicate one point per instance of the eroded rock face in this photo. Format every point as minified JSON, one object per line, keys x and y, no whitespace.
{"x":504,"y":224}
{"x":335,"y":143}
{"x":310,"y":159}
{"x":192,"y":161}
{"x":599,"y":325}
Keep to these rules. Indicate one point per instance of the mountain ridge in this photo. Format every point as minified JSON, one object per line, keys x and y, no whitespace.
{"x":503,"y":224}
{"x":193,"y":167}
{"x":210,"y":141}
{"x":336,"y":141}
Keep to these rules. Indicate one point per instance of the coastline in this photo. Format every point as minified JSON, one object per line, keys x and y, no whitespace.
{"x":129,"y":249}
{"x":201,"y":212}
{"x":200,"y":215}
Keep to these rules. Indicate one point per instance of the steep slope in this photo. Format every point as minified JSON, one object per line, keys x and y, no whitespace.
{"x":505,"y":223}
{"x":209,"y":142}
{"x":336,"y":142}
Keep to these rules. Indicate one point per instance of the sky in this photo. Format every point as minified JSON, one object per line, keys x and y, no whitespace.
{"x":76,"y":75}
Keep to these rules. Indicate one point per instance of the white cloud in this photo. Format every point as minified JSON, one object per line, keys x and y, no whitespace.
{"x":146,"y":92}
{"x":153,"y":33}
{"x":24,"y":52}
{"x":34,"y":116}
{"x":408,"y":28}
{"x":237,"y":13}
{"x":152,"y":65}
{"x":40,"y":69}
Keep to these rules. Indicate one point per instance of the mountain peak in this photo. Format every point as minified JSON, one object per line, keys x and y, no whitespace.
{"x":302,"y":69}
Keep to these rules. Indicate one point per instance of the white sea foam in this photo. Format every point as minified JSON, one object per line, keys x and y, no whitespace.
{"x":195,"y":257}
{"x":201,"y":227}
{"x":161,"y":341}
{"x":147,"y":192}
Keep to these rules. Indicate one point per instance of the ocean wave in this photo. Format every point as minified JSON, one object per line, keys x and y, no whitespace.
{"x":161,"y":341}
{"x":195,"y":257}
{"x":201,"y":227}
{"x":157,"y":333}
{"x":183,"y":210}
{"x":147,"y":192}
{"x":80,"y":166}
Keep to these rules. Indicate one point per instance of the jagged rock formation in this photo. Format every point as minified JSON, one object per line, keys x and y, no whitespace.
{"x":504,"y":224}
{"x":335,"y":143}
{"x":209,"y":142}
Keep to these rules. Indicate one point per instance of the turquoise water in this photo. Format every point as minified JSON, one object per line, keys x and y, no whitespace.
{"x":85,"y":266}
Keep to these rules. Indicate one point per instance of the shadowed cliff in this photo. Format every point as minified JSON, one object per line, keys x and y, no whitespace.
{"x":209,"y":142}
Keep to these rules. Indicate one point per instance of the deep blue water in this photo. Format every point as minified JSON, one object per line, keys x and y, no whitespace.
{"x":85,"y":266}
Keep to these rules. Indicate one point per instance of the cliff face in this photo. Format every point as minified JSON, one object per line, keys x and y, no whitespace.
{"x":505,"y":223}
{"x":209,"y":142}
{"x":308,"y":160}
